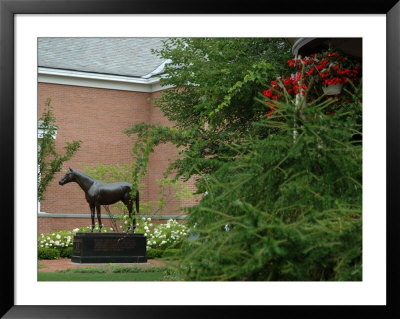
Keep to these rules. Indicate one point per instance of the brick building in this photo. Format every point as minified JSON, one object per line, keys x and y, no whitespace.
{"x":98,"y":88}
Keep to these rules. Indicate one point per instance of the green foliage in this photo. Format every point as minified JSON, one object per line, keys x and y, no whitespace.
{"x":159,"y":253}
{"x":206,"y":73}
{"x":66,"y":252}
{"x":49,"y":160}
{"x":48,"y":253}
{"x":289,"y":206}
{"x":203,"y":71}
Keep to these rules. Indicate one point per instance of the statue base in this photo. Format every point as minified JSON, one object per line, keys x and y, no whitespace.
{"x":109,"y":248}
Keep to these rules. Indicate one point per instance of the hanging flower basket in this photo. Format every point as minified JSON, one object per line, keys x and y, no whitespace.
{"x":333,"y":89}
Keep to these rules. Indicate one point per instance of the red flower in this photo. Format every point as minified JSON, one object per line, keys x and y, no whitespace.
{"x":292,"y":62}
{"x":268,"y":93}
{"x":287,"y":81}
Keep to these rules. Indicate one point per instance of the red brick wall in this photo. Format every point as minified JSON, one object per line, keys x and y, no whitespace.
{"x":98,"y":117}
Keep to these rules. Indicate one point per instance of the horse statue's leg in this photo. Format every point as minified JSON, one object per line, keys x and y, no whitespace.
{"x":92,"y":216}
{"x":99,"y":218}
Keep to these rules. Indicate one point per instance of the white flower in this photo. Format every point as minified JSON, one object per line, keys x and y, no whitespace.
{"x":58,"y":236}
{"x":51,"y":245}
{"x":126,"y":222}
{"x":41,"y":246}
{"x":143,"y":218}
{"x":62,"y":244}
{"x":120,"y":226}
{"x":53,"y":234}
{"x":150,"y":224}
{"x":48,"y":238}
{"x":163,"y":242}
{"x":110,"y":228}
{"x":68,"y":238}
{"x":146,"y":228}
{"x":75,"y":230}
{"x":105,"y":230}
{"x":46,"y":244}
{"x":57,"y":243}
{"x":51,"y":241}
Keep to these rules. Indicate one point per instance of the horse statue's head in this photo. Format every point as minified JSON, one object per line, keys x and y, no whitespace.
{"x":68,"y":177}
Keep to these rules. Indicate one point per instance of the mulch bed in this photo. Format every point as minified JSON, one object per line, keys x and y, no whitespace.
{"x":65,"y":263}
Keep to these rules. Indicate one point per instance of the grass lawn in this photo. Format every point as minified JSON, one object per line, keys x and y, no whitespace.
{"x":76,"y":276}
{"x":107,"y":273}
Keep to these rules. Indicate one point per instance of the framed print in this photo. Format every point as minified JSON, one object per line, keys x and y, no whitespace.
{"x":375,"y":25}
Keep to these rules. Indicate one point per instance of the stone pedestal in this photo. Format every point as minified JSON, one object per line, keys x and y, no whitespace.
{"x":109,"y":248}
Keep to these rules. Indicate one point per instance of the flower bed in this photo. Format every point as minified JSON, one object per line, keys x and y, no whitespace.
{"x":160,"y":237}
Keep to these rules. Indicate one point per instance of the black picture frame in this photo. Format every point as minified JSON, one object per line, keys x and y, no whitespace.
{"x":8,"y":10}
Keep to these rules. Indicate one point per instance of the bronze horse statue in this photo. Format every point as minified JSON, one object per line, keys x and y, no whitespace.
{"x":99,"y":193}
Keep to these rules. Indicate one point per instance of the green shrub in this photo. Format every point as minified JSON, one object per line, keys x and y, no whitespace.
{"x":48,"y":253}
{"x":158,"y":253}
{"x":66,"y":252}
{"x":289,"y":207}
{"x":154,"y":253}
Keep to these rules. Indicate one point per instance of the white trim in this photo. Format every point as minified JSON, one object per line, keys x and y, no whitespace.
{"x":97,"y":80}
{"x":158,"y":70}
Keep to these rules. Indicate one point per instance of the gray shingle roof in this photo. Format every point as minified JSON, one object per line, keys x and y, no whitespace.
{"x":118,"y":56}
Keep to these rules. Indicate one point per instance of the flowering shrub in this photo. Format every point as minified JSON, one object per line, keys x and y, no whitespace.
{"x":311,"y":78}
{"x":162,"y":236}
{"x":56,"y":240}
{"x":62,"y":241}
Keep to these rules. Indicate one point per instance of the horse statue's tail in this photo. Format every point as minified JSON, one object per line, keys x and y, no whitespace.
{"x":137,"y":202}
